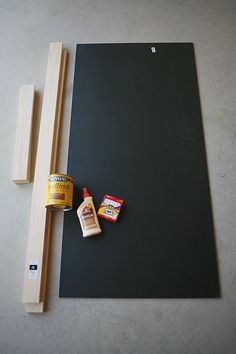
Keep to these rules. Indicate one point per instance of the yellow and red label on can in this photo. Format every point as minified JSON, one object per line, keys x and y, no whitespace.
{"x":59,"y":195}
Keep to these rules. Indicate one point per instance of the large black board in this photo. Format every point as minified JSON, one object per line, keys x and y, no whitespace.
{"x":136,"y":133}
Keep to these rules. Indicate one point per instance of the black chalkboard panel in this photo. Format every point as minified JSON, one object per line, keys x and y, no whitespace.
{"x":136,"y":133}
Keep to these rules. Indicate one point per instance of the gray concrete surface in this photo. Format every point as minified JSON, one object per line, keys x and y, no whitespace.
{"x":117,"y":326}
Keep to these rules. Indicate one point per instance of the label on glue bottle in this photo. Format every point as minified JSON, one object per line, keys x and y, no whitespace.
{"x":87,"y":216}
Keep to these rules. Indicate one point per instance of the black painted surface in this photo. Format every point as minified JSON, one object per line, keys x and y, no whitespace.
{"x":136,"y":133}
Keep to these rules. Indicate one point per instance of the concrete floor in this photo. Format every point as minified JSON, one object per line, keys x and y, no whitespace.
{"x":117,"y":326}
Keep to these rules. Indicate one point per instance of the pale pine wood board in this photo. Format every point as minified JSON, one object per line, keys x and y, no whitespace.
{"x":35,"y":308}
{"x":58,"y":112}
{"x":39,"y":308}
{"x":53,"y":170}
{"x":38,"y":213}
{"x":22,"y":147}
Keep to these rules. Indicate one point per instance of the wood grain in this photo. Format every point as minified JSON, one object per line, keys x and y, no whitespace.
{"x":39,"y":225}
{"x":22,"y":148}
{"x":40,"y":306}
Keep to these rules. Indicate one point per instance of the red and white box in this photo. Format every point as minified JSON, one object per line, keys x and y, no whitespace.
{"x":110,"y":208}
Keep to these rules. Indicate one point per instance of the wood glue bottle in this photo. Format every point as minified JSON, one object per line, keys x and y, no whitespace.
{"x":87,"y":216}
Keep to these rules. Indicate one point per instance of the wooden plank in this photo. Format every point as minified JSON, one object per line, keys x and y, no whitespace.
{"x":38,"y":308}
{"x":38,"y":215}
{"x":35,"y":308}
{"x":22,"y":148}
{"x":53,"y":170}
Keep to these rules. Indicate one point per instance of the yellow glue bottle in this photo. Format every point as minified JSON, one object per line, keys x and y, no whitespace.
{"x":87,"y":216}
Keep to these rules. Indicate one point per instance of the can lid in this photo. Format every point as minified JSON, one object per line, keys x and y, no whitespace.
{"x":86,"y":193}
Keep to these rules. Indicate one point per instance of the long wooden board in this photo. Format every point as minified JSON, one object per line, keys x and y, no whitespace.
{"x":22,"y":148}
{"x":38,"y":230}
{"x":39,"y":307}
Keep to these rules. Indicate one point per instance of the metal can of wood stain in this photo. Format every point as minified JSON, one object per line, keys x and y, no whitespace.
{"x":59,"y":194}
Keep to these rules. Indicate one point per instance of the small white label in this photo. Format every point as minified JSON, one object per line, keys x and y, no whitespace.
{"x":33,"y":270}
{"x":153,"y":49}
